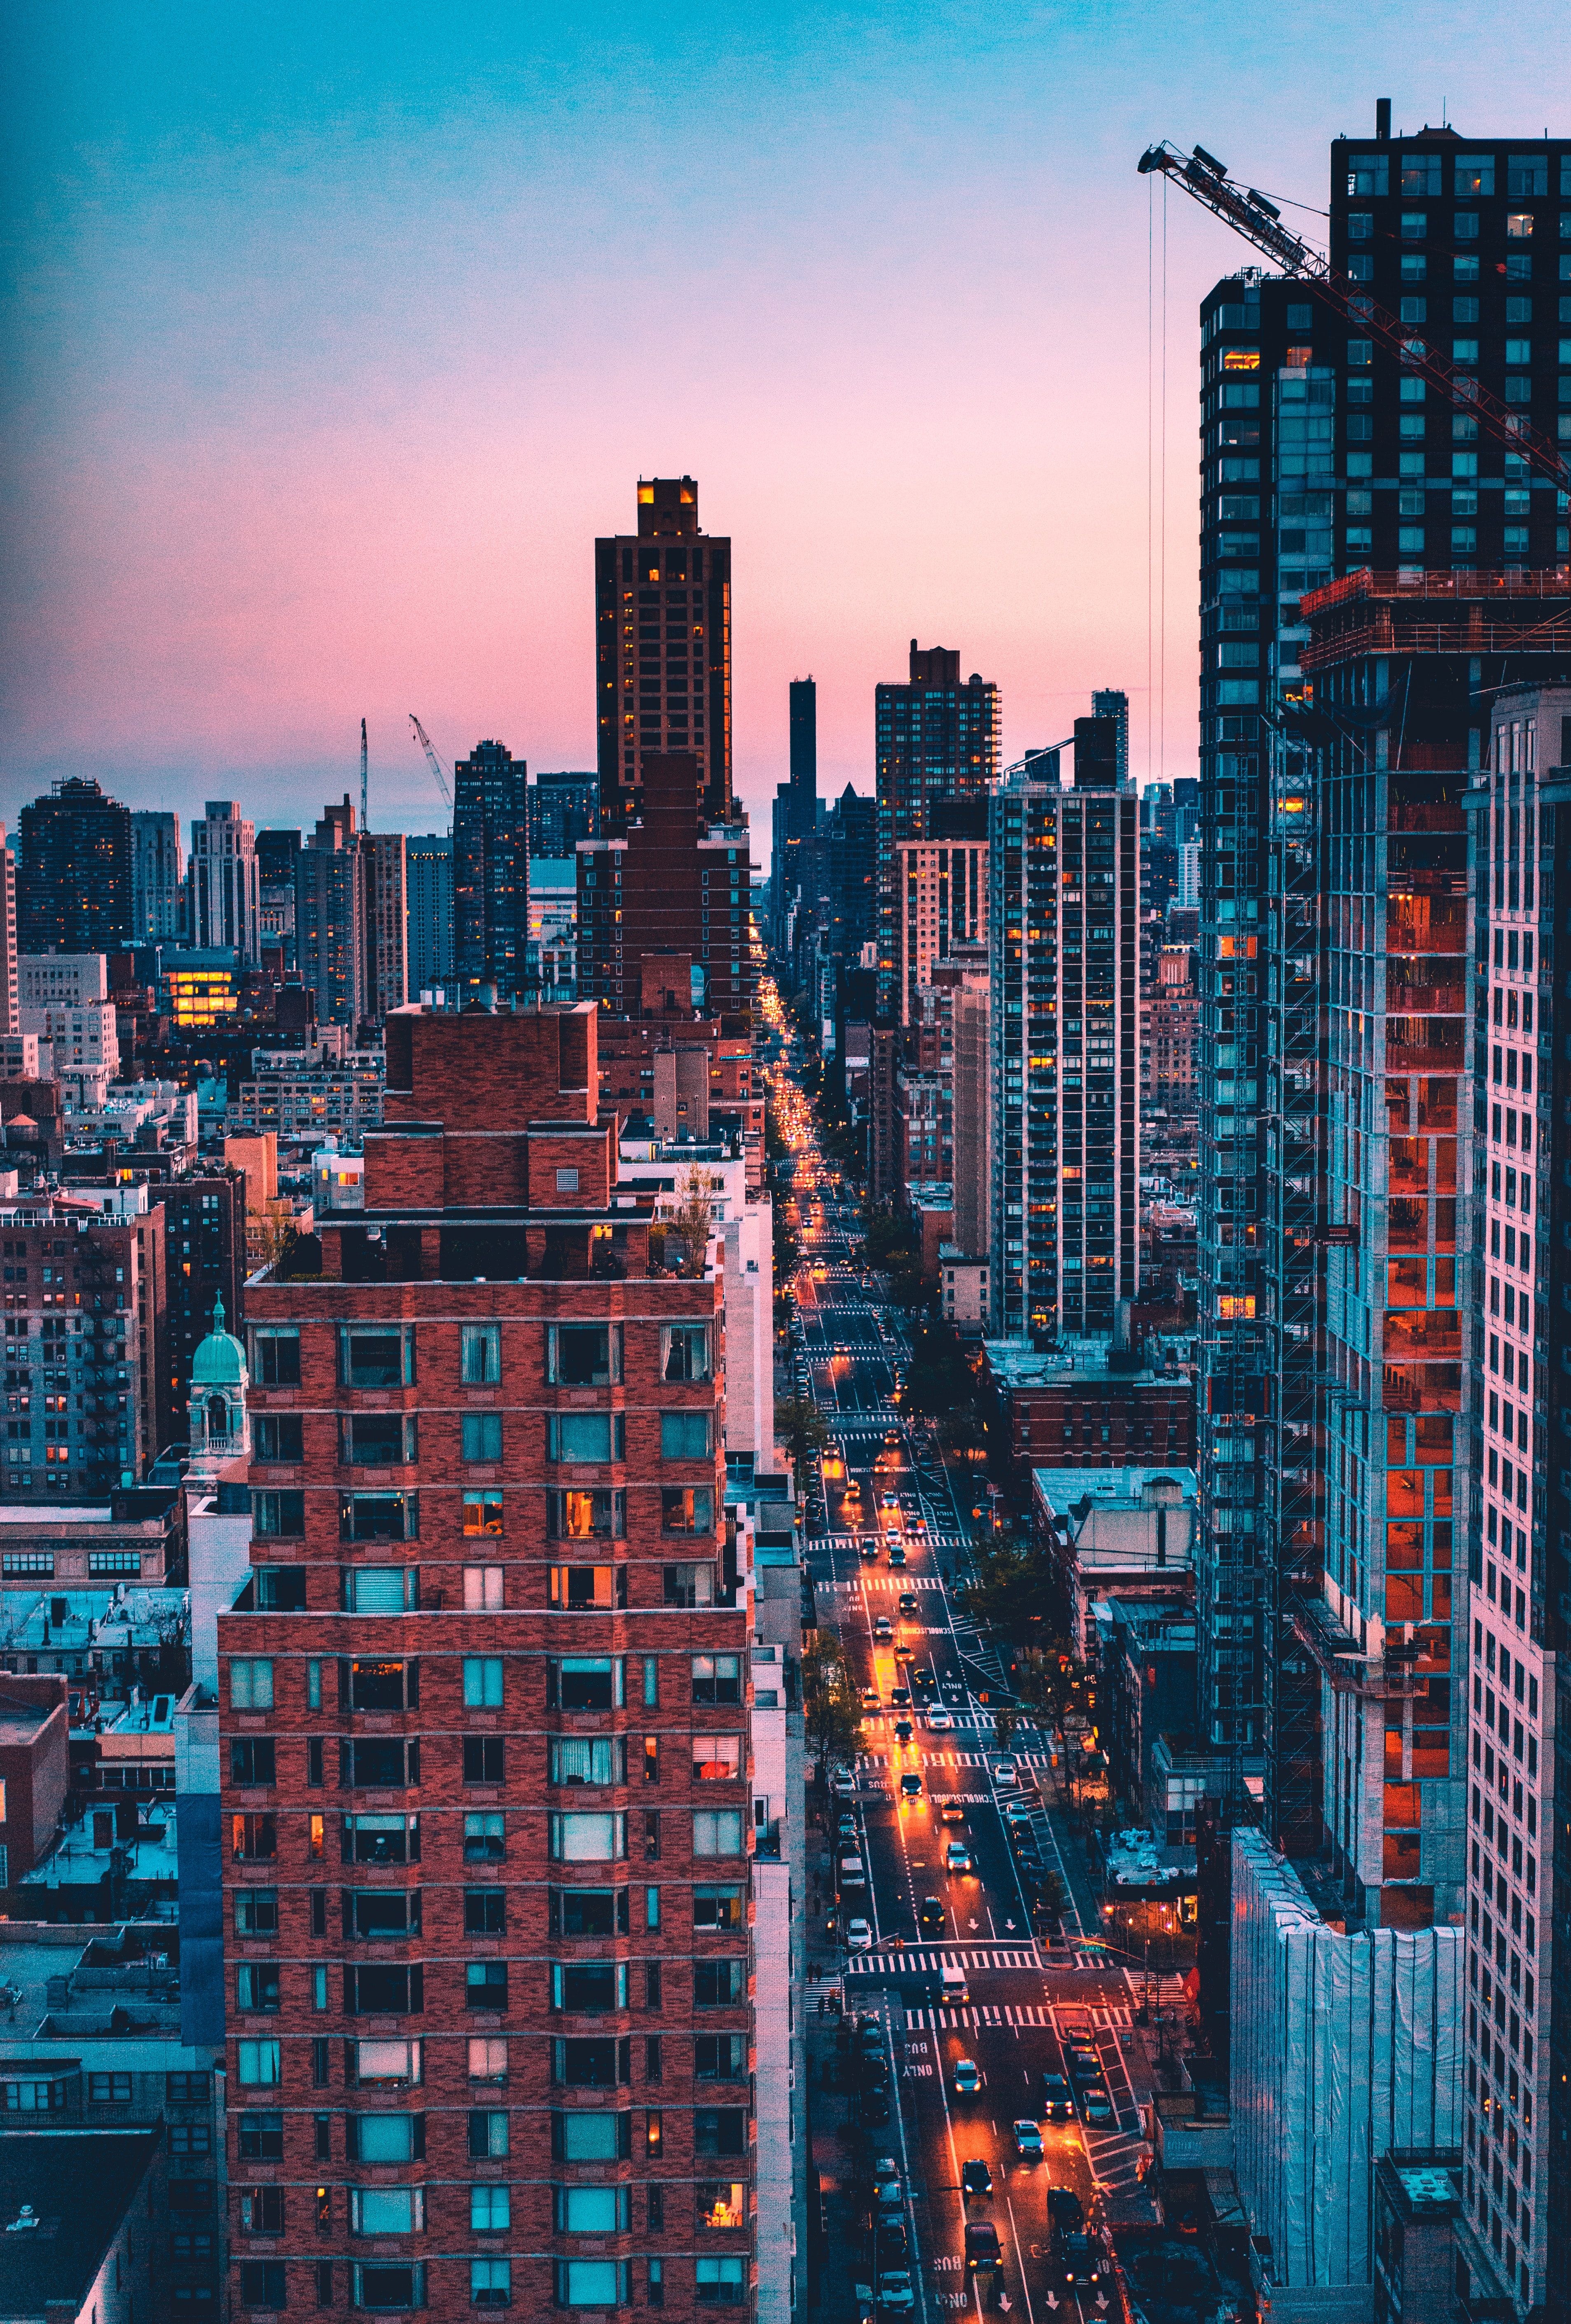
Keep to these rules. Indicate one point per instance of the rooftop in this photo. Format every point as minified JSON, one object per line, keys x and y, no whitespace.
{"x":1016,"y":1364}
{"x":1065,"y":1490}
{"x":77,"y":2185}
{"x":1425,"y":2184}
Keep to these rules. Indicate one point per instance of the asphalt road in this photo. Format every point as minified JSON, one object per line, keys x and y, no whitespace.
{"x":1027,"y":2002}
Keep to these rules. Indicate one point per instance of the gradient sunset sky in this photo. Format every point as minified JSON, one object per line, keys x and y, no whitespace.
{"x":336,"y":335}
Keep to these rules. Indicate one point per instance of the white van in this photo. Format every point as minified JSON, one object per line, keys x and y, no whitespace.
{"x":851,"y":1875}
{"x":952,"y":1985}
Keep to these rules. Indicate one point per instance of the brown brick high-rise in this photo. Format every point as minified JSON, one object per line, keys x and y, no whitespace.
{"x":485,"y":1731}
{"x":663,"y":652}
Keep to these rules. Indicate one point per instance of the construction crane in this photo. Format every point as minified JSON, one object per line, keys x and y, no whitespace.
{"x":365,"y":779}
{"x":1258,"y":221}
{"x":433,"y":761}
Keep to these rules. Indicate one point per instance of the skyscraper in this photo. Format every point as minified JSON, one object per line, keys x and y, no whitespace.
{"x":386,"y":924}
{"x":804,"y":757}
{"x":330,"y":917}
{"x":157,"y":872}
{"x":490,"y":873}
{"x":670,"y":887}
{"x":473,"y":2083}
{"x":10,"y":997}
{"x":563,"y":808}
{"x":663,"y":651}
{"x":1111,"y":701}
{"x":226,"y":883}
{"x":934,"y":739}
{"x":73,"y":884}
{"x":1064,"y":1010}
{"x":429,"y":876}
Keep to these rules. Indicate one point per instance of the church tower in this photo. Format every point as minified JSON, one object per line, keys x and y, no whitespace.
{"x":220,"y":1424}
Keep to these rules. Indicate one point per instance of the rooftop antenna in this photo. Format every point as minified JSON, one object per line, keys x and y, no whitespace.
{"x":365,"y":778}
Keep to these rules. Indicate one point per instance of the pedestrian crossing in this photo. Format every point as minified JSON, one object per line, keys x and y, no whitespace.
{"x":1016,"y":2014}
{"x":911,"y":1958}
{"x":873,"y":1761}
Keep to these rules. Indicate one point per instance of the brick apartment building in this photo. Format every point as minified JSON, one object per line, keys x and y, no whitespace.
{"x":485,"y":1712}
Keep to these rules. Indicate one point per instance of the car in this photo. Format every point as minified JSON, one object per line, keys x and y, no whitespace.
{"x":870,"y":1699}
{"x":967,"y":2078}
{"x":957,"y":1857}
{"x":859,"y":1935}
{"x":911,"y":1783}
{"x":1058,"y":2097}
{"x":884,"y":1627}
{"x":1084,"y":2057}
{"x":1064,"y":2209}
{"x":900,"y":1698}
{"x":842,"y":1783}
{"x":930,"y":1916}
{"x":895,"y":2294}
{"x":939,"y":1722}
{"x":923,"y":1680}
{"x":891,"y":1536}
{"x":976,"y":2179}
{"x":891,"y":2242}
{"x":1006,"y":1775}
{"x":907,"y":1602}
{"x":847,"y":1828}
{"x":1028,"y":2141}
{"x":888,"y":2191}
{"x":1097,"y":2105}
{"x":874,"y":2068}
{"x":904,"y":1652}
{"x":867,"y":1549}
{"x":897,"y":1551}
{"x":888,"y":1500}
{"x":951,"y":1812}
{"x":982,"y":2249}
{"x":903,"y":1730}
{"x":1082,"y":2261}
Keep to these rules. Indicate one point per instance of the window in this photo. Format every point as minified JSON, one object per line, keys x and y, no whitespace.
{"x":262,"y":2210}
{"x":276,"y":1437}
{"x":382,"y":1989}
{"x":687,"y":1508}
{"x":719,"y":2130}
{"x":261,"y":2137}
{"x":483,"y":1682}
{"x":1420,"y":174}
{"x":490,"y":2211}
{"x":109,"y":2089}
{"x":684,"y":1435}
{"x":485,"y":1912}
{"x":588,"y":1589}
{"x":387,"y":2210}
{"x":482,"y":1513}
{"x":377,"y":1440}
{"x":587,"y":1759}
{"x":36,"y":1562}
{"x":482,"y":1434}
{"x":252,"y":1838}
{"x":587,"y":1839}
{"x":1473,"y":173}
{"x":368,"y":1683}
{"x":1527,"y":174}
{"x":378,"y":1762}
{"x":587,"y":1912}
{"x":591,"y":2062}
{"x":250,"y":1684}
{"x":257,"y":2064}
{"x":482,"y":1589}
{"x":716,"y":1758}
{"x":585,"y":1682}
{"x":190,"y":2089}
{"x":378,"y":1914}
{"x":572,"y":1436}
{"x":377,"y":1356}
{"x":720,"y":2282}
{"x":689,"y":1585}
{"x":261,"y":2284}
{"x":589,"y":1987}
{"x":377,"y":2137}
{"x":487,"y":2057}
{"x":491,"y":2283}
{"x":716,"y":1678}
{"x":721,"y":2203}
{"x":278,"y":1516}
{"x":379,"y":1516}
{"x":487,"y":2131}
{"x":381,"y":1839}
{"x":584,"y":1355}
{"x":481,"y":1354}
{"x":251,"y":1760}
{"x":384,"y":2287}
{"x":485,"y":1985}
{"x":718,"y":1984}
{"x":716,"y":1832}
{"x":718,"y":1908}
{"x":391,"y":2062}
{"x":275,"y":1355}
{"x":684,"y":1351}
{"x":591,"y":2137}
{"x":484,"y":1839}
{"x":586,"y":1513}
{"x":483,"y":1758}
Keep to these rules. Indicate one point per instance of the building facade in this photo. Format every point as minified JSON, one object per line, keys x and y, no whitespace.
{"x":490,"y":873}
{"x":157,"y":876}
{"x":429,"y":891}
{"x":563,"y":808}
{"x":74,"y":883}
{"x":226,"y":884}
{"x":663,"y":652}
{"x":386,"y":924}
{"x":942,"y":893}
{"x":330,"y":917}
{"x":934,"y":739}
{"x":493,"y":1603}
{"x":671,"y":889}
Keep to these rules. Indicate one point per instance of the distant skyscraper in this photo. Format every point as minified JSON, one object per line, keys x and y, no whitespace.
{"x":10,"y":1016}
{"x":936,"y":739}
{"x":804,"y":757}
{"x":563,"y":808}
{"x":490,"y":871}
{"x":157,"y":871}
{"x":386,"y":924}
{"x":1112,"y":702}
{"x":663,"y":651}
{"x":330,"y":917}
{"x":277,"y":857}
{"x":226,"y":883}
{"x":429,"y":877}
{"x":1064,"y":1022}
{"x":74,"y":887}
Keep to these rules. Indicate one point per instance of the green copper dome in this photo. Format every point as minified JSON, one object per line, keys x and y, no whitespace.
{"x":220,"y":1361}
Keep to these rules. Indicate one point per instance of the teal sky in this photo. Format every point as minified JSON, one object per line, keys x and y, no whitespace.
{"x":336,"y":335}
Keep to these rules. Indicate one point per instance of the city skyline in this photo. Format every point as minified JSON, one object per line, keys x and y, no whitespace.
{"x":261,"y":492}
